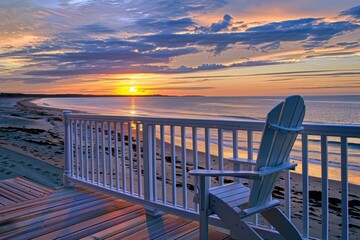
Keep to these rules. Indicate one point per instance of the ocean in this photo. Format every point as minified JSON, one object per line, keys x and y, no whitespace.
{"x":319,"y":109}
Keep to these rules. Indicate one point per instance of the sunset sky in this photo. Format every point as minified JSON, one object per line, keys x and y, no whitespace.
{"x":203,"y":47}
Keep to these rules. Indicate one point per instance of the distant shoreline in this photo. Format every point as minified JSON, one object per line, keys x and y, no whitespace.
{"x":22,"y":95}
{"x":31,"y":95}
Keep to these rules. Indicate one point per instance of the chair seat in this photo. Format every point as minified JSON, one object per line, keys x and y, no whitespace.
{"x":234,"y":195}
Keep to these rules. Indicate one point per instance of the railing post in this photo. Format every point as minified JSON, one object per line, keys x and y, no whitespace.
{"x":305,"y":182}
{"x":344,"y":189}
{"x":148,"y":170}
{"x":68,"y":153}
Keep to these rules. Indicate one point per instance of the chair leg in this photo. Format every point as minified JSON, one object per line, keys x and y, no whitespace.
{"x":204,"y":224}
{"x":204,"y":207}
{"x":281,"y":223}
{"x":244,"y":231}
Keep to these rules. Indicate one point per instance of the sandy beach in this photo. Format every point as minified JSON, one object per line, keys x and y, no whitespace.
{"x":31,"y":145}
{"x":31,"y":142}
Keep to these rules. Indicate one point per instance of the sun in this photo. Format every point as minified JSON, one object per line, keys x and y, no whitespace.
{"x":132,"y":89}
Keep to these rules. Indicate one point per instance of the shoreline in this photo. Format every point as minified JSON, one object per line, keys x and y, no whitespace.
{"x":314,"y":154}
{"x":37,"y":131}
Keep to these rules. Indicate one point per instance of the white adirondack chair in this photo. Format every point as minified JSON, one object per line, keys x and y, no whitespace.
{"x":234,"y":202}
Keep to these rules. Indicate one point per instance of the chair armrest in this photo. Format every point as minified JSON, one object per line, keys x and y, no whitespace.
{"x":241,"y":161}
{"x":218,"y":173}
{"x":285,"y":129}
{"x":270,"y":170}
{"x":243,"y":174}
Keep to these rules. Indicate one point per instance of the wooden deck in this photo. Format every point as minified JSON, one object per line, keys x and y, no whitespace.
{"x":17,"y":190}
{"x":31,"y":211}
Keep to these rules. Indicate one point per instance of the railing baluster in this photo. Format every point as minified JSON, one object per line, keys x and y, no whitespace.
{"x":305,"y":183}
{"x":250,"y":145}
{"x":173,"y":164}
{"x":207,"y":148}
{"x":138,"y":155}
{"x":71,"y":166}
{"x":324,"y":188}
{"x":195,"y":161}
{"x":344,"y":189}
{"x":97,"y":152}
{"x":131,"y":159}
{"x":207,"y":151}
{"x":76,"y":148}
{"x":92,"y":150}
{"x":103,"y":145}
{"x":163,"y":163}
{"x":221,"y":154}
{"x":153,"y":162}
{"x":235,"y":146}
{"x":81,"y":145}
{"x":123,"y":164}
{"x":110,"y":157}
{"x":86,"y":150}
{"x":117,"y":168}
{"x":184,"y":173}
{"x":68,"y":149}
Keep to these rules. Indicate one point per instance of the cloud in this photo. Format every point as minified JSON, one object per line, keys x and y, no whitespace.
{"x":333,"y":72}
{"x":269,"y":47}
{"x":298,"y":24}
{"x":353,"y":12}
{"x":329,"y":87}
{"x":180,"y":88}
{"x":346,"y":45}
{"x":32,"y":80}
{"x":115,"y":59}
{"x":224,"y":24}
{"x":177,"y":82}
{"x":162,"y":26}
{"x":207,"y":67}
{"x":331,"y":54}
{"x":94,"y":29}
{"x":313,"y":32}
{"x":94,"y":37}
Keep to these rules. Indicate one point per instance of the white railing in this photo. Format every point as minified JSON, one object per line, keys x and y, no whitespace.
{"x":146,"y":160}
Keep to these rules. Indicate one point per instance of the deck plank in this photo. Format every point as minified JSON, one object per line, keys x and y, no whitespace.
{"x":5,"y":201}
{"x":80,"y":213}
{"x":52,"y":206}
{"x":42,"y":201}
{"x":49,"y":218}
{"x":12,"y":194}
{"x":154,"y":229}
{"x":21,"y":192}
{"x":17,"y":190}
{"x":32,"y":184}
{"x":28,"y":188}
{"x":95,"y":224}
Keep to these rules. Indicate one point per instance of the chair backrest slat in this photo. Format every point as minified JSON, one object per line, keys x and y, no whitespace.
{"x":276,"y":145}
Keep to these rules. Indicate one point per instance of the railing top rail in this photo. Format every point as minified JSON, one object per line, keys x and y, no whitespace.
{"x":188,"y":122}
{"x":250,"y":125}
